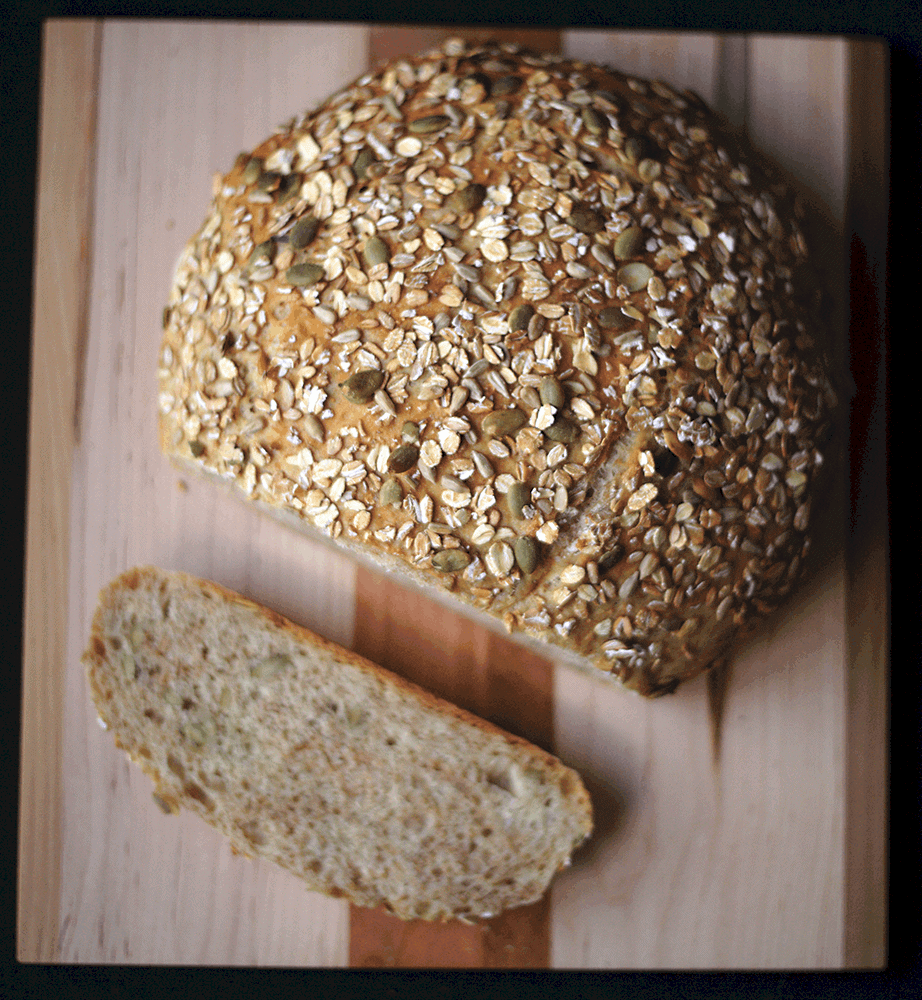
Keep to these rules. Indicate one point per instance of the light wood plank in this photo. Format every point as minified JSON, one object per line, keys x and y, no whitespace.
{"x":138,"y":886}
{"x":64,"y":214}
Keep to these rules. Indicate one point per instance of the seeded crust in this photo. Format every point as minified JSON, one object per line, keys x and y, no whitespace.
{"x":306,"y":755}
{"x":527,"y":332}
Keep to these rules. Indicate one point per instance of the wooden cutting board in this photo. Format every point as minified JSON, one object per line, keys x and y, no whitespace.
{"x":764,"y":850}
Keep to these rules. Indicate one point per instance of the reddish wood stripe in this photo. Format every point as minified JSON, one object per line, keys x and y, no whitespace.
{"x":446,"y":654}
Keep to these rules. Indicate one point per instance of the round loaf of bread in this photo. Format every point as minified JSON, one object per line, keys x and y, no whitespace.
{"x":530,"y":333}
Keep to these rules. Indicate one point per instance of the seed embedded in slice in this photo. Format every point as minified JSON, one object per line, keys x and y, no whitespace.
{"x":629,"y":243}
{"x":526,"y":553}
{"x":403,"y":458}
{"x":361,"y":386}
{"x":375,"y":252}
{"x":303,"y":275}
{"x":450,"y":560}
{"x":429,"y":123}
{"x":635,"y":276}
{"x":303,"y":232}
{"x":502,"y":422}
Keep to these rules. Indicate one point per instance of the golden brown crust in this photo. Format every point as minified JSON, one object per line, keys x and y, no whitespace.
{"x":527,"y":331}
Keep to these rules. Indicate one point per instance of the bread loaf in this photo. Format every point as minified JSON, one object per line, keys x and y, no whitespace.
{"x":536,"y":336}
{"x":306,"y":755}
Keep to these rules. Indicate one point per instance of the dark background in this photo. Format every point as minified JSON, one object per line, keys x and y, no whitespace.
{"x":20,"y":55}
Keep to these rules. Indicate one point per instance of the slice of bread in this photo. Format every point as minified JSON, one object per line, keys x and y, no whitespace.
{"x":307,"y":755}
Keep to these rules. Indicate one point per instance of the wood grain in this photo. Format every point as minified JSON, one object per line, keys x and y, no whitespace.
{"x":63,"y":226}
{"x":771,"y":856}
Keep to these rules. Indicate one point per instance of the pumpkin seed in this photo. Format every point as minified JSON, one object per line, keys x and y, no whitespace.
{"x":403,"y":458}
{"x":197,"y":448}
{"x":304,"y":274}
{"x":595,"y":121}
{"x":502,"y":422}
{"x":450,"y":560}
{"x":375,"y":252}
{"x":261,"y":253}
{"x":466,"y":199}
{"x":410,"y":431}
{"x":520,"y":317}
{"x":362,"y":385}
{"x":585,"y":219}
{"x":268,"y":180}
{"x":551,"y":392}
{"x":613,"y":318}
{"x":363,"y":160}
{"x":519,"y":495}
{"x":562,"y":429}
{"x":252,"y":170}
{"x":526,"y":553}
{"x":629,"y":243}
{"x":505,"y":85}
{"x":635,"y":276}
{"x":303,"y":232}
{"x":430,"y":123}
{"x":391,"y":493}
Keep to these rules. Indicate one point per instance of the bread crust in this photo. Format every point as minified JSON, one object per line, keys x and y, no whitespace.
{"x":529,"y":333}
{"x":300,"y":752}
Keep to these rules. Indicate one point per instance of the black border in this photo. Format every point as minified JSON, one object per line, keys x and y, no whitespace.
{"x":20,"y":55}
